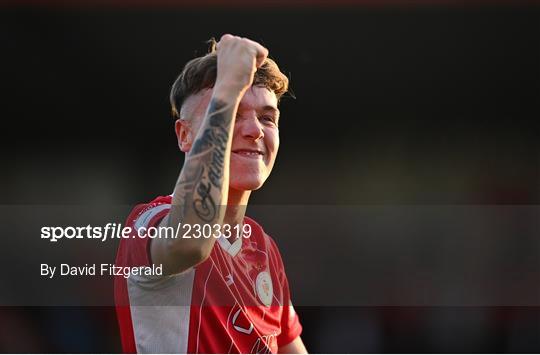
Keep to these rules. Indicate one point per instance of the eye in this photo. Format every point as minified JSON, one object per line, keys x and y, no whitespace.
{"x":268,"y":119}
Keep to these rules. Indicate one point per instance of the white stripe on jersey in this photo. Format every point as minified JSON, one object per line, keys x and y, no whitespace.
{"x":160,"y":312}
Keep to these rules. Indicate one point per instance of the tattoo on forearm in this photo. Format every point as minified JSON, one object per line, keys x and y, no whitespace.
{"x":204,"y":206}
{"x":202,"y":179}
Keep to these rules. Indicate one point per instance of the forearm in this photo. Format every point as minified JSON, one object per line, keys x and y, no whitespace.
{"x":201,"y":190}
{"x":200,"y":194}
{"x":295,"y":347}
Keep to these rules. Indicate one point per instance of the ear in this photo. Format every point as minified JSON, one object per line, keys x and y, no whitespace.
{"x":184,"y":135}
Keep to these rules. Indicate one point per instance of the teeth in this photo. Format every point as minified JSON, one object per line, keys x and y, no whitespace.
{"x":249,"y":153}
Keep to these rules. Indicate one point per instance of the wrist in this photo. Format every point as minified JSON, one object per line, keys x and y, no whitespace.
{"x":228,"y":92}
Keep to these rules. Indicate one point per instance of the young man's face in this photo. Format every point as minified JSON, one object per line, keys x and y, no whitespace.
{"x":255,"y":139}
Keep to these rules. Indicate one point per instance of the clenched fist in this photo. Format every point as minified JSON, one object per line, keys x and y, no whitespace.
{"x":237,"y":61}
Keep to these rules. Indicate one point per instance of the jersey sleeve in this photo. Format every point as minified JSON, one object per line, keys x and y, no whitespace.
{"x":290,"y":322}
{"x":135,"y":251}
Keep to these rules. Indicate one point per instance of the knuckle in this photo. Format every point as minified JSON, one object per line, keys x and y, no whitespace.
{"x":247,"y":42}
{"x":226,"y":37}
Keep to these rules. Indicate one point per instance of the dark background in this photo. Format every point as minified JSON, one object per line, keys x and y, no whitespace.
{"x":424,"y":104}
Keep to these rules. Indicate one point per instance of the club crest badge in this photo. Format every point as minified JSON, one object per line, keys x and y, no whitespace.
{"x":265,"y":291}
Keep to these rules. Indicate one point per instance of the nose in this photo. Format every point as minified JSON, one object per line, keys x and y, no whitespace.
{"x":251,"y":127}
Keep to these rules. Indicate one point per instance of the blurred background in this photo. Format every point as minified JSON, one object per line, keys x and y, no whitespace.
{"x":420,"y":103}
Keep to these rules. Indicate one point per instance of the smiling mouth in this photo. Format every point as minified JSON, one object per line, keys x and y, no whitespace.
{"x":249,"y":153}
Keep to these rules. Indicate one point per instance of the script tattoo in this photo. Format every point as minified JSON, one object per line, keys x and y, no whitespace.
{"x":205,"y":207}
{"x":202,"y":178}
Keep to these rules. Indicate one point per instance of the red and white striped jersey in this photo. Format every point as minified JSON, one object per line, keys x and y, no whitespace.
{"x":236,"y":301}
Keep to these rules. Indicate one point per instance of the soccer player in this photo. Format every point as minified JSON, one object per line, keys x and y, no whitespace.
{"x":227,"y":294}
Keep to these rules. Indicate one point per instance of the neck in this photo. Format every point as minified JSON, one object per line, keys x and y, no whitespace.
{"x":237,"y":201}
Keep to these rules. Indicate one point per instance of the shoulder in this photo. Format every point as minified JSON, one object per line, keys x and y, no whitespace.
{"x":144,"y":214}
{"x":258,"y":231}
{"x":259,"y":234}
{"x":134,"y":251}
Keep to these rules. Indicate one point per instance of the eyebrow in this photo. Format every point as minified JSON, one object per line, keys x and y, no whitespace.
{"x":271,"y":108}
{"x":264,"y":108}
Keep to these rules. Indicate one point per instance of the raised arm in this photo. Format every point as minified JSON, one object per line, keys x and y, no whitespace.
{"x":200,"y":194}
